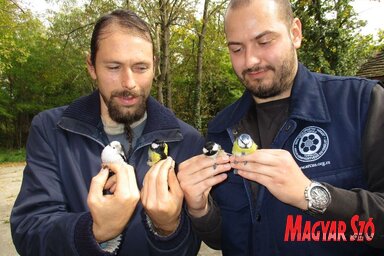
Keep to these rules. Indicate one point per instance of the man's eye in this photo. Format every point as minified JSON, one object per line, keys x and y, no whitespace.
{"x":235,"y":49}
{"x":140,"y":68}
{"x":113,"y":67}
{"x":264,"y":42}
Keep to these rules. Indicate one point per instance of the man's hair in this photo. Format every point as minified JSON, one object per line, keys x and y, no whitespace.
{"x":125,"y":19}
{"x":285,"y":8}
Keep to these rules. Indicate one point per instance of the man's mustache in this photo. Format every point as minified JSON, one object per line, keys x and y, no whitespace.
{"x":256,"y":69}
{"x":125,"y":93}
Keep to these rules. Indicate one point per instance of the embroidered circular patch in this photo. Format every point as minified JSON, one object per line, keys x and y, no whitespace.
{"x":311,"y":144}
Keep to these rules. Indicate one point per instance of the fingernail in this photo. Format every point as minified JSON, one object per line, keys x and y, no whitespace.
{"x":225,"y":156}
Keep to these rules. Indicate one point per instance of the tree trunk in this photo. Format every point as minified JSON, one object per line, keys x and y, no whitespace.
{"x":160,"y":96}
{"x":164,"y":51}
{"x":199,"y":67}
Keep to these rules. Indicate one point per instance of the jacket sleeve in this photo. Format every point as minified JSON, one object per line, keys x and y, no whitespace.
{"x":208,"y":227}
{"x":366,"y":203}
{"x":183,"y":242}
{"x":41,"y":223}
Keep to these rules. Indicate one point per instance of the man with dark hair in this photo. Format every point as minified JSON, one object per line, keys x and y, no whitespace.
{"x":316,"y":185}
{"x":67,"y":205}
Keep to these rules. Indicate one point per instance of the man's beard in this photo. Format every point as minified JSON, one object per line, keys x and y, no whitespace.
{"x":281,"y":82}
{"x":117,"y":112}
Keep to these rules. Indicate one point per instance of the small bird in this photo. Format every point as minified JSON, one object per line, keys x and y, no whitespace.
{"x":211,"y":149}
{"x":243,"y":145}
{"x":113,"y":153}
{"x":158,"y":150}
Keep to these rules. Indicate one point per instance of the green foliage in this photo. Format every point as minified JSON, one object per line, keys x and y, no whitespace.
{"x":332,"y":41}
{"x":12,"y":155}
{"x":220,"y":86}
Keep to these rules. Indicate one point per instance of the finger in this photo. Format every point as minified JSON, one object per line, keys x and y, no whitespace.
{"x":200,"y":162}
{"x":234,"y":159}
{"x":207,"y":184}
{"x":258,"y":168}
{"x":207,"y":173}
{"x":150,"y":182}
{"x":132,"y":182}
{"x":264,"y":157}
{"x":162,"y":179}
{"x":110,"y":182}
{"x":259,"y":178}
{"x":113,"y":188}
{"x":144,"y":192}
{"x":174,"y":184}
{"x":98,"y":182}
{"x":122,"y":178}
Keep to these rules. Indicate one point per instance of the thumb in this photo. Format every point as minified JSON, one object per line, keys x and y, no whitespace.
{"x":173,"y":183}
{"x":98,"y":182}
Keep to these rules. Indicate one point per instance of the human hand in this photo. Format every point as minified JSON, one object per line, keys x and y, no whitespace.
{"x":197,"y":176}
{"x":112,"y":212}
{"x":162,"y":197}
{"x":277,"y":171}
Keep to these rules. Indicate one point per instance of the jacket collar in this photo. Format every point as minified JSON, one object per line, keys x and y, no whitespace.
{"x":85,"y":113}
{"x":307,"y":103}
{"x":85,"y":109}
{"x":307,"y":98}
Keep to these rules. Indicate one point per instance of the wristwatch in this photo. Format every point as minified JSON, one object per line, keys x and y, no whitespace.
{"x":318,"y":197}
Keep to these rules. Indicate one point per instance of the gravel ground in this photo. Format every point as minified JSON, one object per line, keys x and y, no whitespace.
{"x":10,"y":181}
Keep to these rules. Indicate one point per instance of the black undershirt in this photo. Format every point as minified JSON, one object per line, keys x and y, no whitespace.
{"x":263,"y":122}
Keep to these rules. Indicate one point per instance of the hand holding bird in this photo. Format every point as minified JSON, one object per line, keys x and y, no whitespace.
{"x":162,"y":197}
{"x":112,"y":212}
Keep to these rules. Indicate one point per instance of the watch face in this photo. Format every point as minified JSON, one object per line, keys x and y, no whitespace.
{"x":320,"y":197}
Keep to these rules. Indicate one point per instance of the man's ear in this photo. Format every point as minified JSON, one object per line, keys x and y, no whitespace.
{"x":91,"y":68}
{"x":296,"y":33}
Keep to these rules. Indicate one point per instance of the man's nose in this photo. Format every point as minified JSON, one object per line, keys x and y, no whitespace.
{"x":127,"y":80}
{"x":251,"y":57}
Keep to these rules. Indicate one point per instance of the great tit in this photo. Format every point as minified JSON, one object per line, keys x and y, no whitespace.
{"x":158,"y":150}
{"x":211,"y":149}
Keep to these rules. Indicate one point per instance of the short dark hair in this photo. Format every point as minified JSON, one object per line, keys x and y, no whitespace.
{"x":285,"y":8}
{"x":124,"y":18}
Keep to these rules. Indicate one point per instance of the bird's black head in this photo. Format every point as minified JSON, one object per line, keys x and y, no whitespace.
{"x":159,"y":147}
{"x":211,"y":148}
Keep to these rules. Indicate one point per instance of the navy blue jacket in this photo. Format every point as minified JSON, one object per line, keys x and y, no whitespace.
{"x":325,"y":134}
{"x":51,"y":216}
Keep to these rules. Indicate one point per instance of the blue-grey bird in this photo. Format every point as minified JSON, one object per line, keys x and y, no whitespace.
{"x":243,"y":145}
